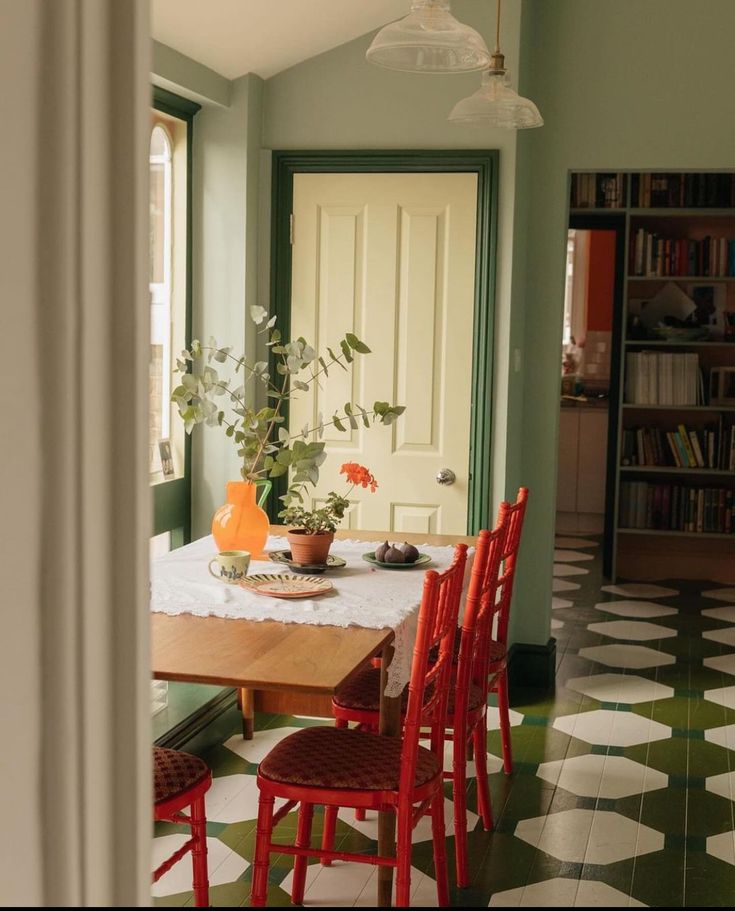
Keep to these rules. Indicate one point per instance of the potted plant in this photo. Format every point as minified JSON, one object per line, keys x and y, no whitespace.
{"x":221,"y":389}
{"x":312,"y":531}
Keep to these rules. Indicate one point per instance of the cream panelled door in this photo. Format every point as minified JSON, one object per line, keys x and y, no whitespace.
{"x":391,"y":257}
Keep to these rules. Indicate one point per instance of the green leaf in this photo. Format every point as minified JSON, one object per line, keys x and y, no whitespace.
{"x":271,"y":322}
{"x":323,"y":365}
{"x":284,"y":457}
{"x":283,"y":435}
{"x":346,"y":351}
{"x":258,"y":314}
{"x":277,"y":470}
{"x":297,"y":384}
{"x":354,"y":342}
{"x":338,"y":424}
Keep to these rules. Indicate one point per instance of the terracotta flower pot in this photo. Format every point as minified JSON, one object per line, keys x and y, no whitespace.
{"x":309,"y":549}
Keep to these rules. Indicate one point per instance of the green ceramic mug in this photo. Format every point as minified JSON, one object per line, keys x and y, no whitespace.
{"x":232,"y":565}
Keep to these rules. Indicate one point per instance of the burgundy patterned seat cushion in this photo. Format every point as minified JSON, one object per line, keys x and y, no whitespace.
{"x":175,"y":772}
{"x":362,"y":692}
{"x":343,"y":758}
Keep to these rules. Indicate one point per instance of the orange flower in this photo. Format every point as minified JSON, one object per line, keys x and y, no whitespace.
{"x":358,"y":474}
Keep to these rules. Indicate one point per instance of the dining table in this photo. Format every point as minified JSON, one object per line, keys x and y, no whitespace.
{"x":293,"y":654}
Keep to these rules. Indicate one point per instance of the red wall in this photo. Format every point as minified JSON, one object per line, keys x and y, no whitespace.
{"x":601,"y":281}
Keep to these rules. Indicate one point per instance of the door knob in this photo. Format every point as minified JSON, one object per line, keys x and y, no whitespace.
{"x":445,"y":476}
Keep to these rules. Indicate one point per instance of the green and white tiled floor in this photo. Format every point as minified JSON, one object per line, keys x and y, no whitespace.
{"x":624,"y":779}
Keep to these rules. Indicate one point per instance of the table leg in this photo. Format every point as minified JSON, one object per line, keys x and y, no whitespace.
{"x":390,"y":726}
{"x":246,"y":701}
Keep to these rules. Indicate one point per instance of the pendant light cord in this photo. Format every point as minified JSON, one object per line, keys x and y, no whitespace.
{"x":497,"y":31}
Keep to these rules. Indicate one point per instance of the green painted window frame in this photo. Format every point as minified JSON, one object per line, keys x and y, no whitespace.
{"x":172,"y":499}
{"x":482,"y":162}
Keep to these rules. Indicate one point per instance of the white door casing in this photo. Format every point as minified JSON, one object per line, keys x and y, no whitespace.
{"x":391,"y":257}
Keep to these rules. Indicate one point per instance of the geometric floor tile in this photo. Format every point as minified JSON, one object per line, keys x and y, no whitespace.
{"x":369,"y":827}
{"x":643,"y":610}
{"x":347,"y":884}
{"x":610,"y":777}
{"x":720,"y":594}
{"x":589,"y":836}
{"x":571,"y":556}
{"x":724,"y":695}
{"x":563,"y":585}
{"x":569,"y":569}
{"x":609,"y":728}
{"x":257,"y":749}
{"x":564,"y":893}
{"x":724,"y":663}
{"x":224,"y":865}
{"x":562,"y":541}
{"x":725,"y":636}
{"x":639,"y":590}
{"x":232,"y":798}
{"x":628,"y":689}
{"x":636,"y":630}
{"x":556,"y":624}
{"x":628,"y":656}
{"x":722,"y":785}
{"x":493,"y":718}
{"x":557,"y":603}
{"x":723,"y":736}
{"x":722,"y":846}
{"x":494,"y":763}
{"x":726,"y":614}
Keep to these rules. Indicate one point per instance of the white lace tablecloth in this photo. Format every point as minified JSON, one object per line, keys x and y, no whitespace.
{"x":363,"y":595}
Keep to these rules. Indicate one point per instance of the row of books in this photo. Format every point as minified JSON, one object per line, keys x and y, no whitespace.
{"x":653,"y":254}
{"x":663,"y":378}
{"x":687,"y":191}
{"x":677,"y":507}
{"x":598,"y":191}
{"x":710,"y":447}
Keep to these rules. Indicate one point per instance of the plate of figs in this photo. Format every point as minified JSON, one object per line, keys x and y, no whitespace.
{"x":396,"y":556}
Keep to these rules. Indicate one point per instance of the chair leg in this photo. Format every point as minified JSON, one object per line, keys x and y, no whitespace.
{"x":263,"y":832}
{"x":484,"y":806}
{"x":503,"y":711}
{"x":459,"y":794}
{"x":403,"y":854}
{"x":330,"y":826}
{"x":303,"y":840}
{"x":199,"y":853}
{"x":440,"y":849}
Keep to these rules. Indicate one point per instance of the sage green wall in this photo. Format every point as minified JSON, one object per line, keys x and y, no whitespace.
{"x":338,"y":101}
{"x":225,"y":200}
{"x":643,"y":84}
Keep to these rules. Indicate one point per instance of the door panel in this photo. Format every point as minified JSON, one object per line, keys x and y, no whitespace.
{"x":391,"y":257}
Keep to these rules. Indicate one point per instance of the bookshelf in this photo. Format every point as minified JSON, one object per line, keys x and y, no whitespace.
{"x":670,"y":503}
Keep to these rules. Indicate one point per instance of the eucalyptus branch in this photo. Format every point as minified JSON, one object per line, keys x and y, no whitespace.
{"x":239,"y":361}
{"x":272,"y":423}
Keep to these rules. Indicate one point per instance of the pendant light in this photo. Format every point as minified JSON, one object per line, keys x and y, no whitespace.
{"x":495,"y":103}
{"x":429,"y":40}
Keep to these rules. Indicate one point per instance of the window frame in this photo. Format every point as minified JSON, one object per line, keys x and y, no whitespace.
{"x":172,"y":498}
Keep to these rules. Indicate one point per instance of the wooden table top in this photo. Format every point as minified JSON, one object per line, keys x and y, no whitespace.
{"x":267,"y":655}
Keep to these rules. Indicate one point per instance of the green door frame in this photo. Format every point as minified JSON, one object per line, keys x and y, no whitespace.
{"x":483,"y":163}
{"x":172,"y":499}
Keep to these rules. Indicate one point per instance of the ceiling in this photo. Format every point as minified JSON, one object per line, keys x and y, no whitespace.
{"x":235,"y":37}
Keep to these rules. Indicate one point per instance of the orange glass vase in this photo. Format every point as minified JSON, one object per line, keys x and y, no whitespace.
{"x":241,"y":523}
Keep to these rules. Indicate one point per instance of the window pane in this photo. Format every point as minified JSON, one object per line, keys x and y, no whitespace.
{"x":157,"y":227}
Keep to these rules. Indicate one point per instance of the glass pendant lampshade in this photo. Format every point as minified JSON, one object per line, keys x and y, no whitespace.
{"x":429,"y":40}
{"x":495,"y":104}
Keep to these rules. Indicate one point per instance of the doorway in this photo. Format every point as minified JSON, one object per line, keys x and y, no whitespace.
{"x":595,"y":260}
{"x":416,"y":278}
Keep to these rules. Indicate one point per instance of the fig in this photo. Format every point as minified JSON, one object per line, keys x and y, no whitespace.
{"x":394,"y":555}
{"x":381,"y":552}
{"x":410,"y":553}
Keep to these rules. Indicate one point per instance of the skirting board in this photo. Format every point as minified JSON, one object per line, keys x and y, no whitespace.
{"x":531,"y":667}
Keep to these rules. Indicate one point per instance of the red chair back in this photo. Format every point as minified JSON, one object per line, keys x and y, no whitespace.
{"x":513,"y":514}
{"x":428,"y":688}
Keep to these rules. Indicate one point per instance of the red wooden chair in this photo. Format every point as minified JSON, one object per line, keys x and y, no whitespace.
{"x":342,"y":767}
{"x":497,"y":650}
{"x":181,"y":780}
{"x":466,"y":720}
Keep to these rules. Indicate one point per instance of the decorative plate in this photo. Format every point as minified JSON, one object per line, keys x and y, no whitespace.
{"x":423,"y":560}
{"x":286,"y":585}
{"x":284,"y":558}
